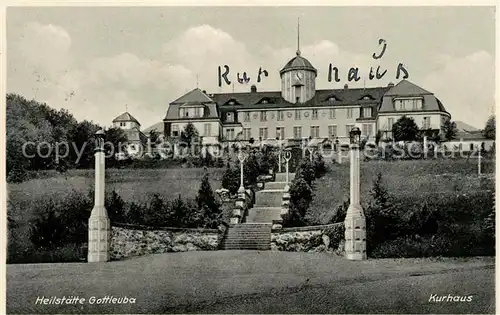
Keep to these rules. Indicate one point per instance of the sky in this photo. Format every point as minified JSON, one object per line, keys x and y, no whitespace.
{"x":98,"y":62}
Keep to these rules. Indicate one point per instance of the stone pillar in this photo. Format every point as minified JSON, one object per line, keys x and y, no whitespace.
{"x":287,"y":156}
{"x":99,"y":226}
{"x":355,"y":221}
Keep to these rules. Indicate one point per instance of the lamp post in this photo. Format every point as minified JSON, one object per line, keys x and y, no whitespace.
{"x":279,"y":156}
{"x":479,"y":161}
{"x":287,"y":155}
{"x":99,"y":227}
{"x":242,"y":156}
{"x":355,"y":221}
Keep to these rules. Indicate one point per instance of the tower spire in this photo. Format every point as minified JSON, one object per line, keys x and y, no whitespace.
{"x":298,"y":36}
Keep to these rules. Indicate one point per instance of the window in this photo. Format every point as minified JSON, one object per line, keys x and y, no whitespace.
{"x":229,"y":117}
{"x":207,"y":130}
{"x":315,"y":114}
{"x":332,"y":113}
{"x":297,"y":114}
{"x":200,"y":111}
{"x":263,"y":116}
{"x":280,"y":133}
{"x":348,"y":129}
{"x":367,"y":130}
{"x":401,"y":105}
{"x":247,"y":133}
{"x":264,"y":102}
{"x":332,"y":131}
{"x":315,"y":131}
{"x":246,"y":116}
{"x":230,"y":134}
{"x":297,"y":132}
{"x":263,"y":133}
{"x":427,"y":122}
{"x":281,"y":115}
{"x":367,"y":112}
{"x":123,"y":124}
{"x":297,"y":93}
{"x":349,"y":112}
{"x":390,"y":123}
{"x":175,"y":130}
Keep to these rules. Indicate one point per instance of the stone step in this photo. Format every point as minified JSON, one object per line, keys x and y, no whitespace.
{"x":264,"y":214}
{"x":281,"y":177}
{"x":268,"y":198}
{"x":275,"y":185}
{"x":236,"y":247}
{"x":248,"y":236}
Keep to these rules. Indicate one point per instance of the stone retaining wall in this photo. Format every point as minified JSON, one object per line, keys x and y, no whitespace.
{"x":129,"y":240}
{"x":320,"y":238}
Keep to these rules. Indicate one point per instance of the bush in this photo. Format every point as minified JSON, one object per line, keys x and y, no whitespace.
{"x":300,"y":198}
{"x":207,"y":205}
{"x":319,"y":166}
{"x":447,"y":225}
{"x":16,"y":175}
{"x":115,"y":206}
{"x":60,"y":222}
{"x":231,"y":179}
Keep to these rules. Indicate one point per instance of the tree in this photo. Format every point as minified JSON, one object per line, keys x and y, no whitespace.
{"x":189,"y":134}
{"x":206,"y":202}
{"x":489,"y":129}
{"x":154,"y":136}
{"x":231,"y":179}
{"x":378,"y":137}
{"x":449,"y":129}
{"x":117,"y":137}
{"x":405,"y":129}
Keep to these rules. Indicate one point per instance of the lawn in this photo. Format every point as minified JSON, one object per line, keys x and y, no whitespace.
{"x":130,"y":184}
{"x":410,"y":178}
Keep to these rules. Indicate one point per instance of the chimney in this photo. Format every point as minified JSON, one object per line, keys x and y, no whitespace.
{"x":390,"y":84}
{"x":253,"y":88}
{"x":346,"y":86}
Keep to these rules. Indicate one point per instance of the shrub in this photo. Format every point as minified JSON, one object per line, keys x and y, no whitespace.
{"x":115,"y":206}
{"x":157,"y":212}
{"x":300,"y":198}
{"x":231,"y":179}
{"x":135,"y":213}
{"x":208,"y":205}
{"x":47,"y":229}
{"x":341,"y":212}
{"x":16,"y":175}
{"x":306,"y":171}
{"x":319,"y":166}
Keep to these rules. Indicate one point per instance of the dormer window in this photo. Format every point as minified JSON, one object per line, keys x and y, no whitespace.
{"x":414,"y":103}
{"x":229,"y":117}
{"x":332,"y":98}
{"x":264,"y":101}
{"x":367,"y":97}
{"x":231,"y":103}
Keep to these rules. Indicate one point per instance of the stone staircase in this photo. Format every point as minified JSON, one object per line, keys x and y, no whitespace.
{"x":255,"y":233}
{"x":248,"y":236}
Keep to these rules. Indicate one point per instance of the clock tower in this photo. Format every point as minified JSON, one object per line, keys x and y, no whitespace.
{"x":298,"y":79}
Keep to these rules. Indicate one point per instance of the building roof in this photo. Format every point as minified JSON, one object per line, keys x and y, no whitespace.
{"x":461,"y":126}
{"x":254,"y":100}
{"x":469,"y":136}
{"x":298,"y":63}
{"x":158,"y":127}
{"x":404,"y":89}
{"x":195,"y":96}
{"x":126,"y":117}
{"x":134,"y":135}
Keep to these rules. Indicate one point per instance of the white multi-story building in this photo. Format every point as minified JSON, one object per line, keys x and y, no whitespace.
{"x":300,"y":111}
